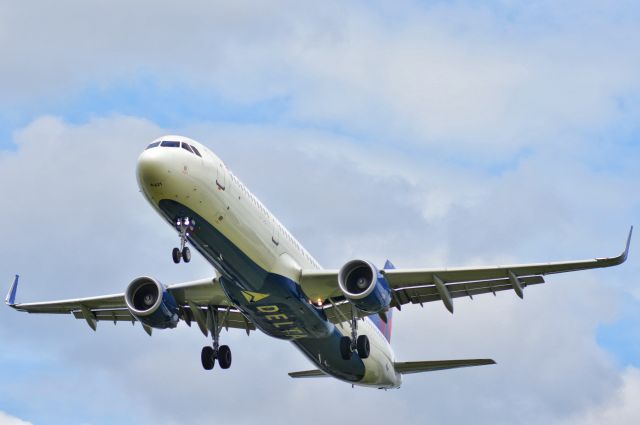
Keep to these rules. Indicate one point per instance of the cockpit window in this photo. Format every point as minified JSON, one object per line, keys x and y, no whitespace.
{"x":175,"y":144}
{"x":195,"y":151}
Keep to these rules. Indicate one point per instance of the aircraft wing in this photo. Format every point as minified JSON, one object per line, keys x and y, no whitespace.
{"x":194,"y":298}
{"x":418,"y":286}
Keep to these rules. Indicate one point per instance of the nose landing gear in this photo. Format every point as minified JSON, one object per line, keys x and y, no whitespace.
{"x":184,"y":226}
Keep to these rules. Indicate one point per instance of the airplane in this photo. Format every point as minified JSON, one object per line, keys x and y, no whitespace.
{"x":341,"y":320}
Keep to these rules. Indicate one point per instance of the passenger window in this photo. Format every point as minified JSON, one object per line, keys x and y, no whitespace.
{"x":195,"y":151}
{"x":170,"y":144}
{"x":152,"y":145}
{"x":186,"y":147}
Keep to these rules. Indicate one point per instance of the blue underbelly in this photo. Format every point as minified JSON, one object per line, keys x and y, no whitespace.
{"x":274,"y":303}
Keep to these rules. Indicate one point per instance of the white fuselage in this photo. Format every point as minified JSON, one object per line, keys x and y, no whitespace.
{"x":204,"y":185}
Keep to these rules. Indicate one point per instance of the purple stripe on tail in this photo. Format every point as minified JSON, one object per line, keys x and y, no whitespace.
{"x":377,"y":319}
{"x":385,"y":328}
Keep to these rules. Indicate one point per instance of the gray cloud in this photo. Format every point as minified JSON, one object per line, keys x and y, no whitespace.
{"x":79,"y":227}
{"x":434,"y":135}
{"x":456,"y":78}
{"x":620,"y":408}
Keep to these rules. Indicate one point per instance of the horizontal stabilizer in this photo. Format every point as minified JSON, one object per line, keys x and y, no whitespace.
{"x":315,"y":373}
{"x":435,"y":365}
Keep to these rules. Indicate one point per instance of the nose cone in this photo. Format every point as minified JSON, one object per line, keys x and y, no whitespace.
{"x":166,"y":169}
{"x":151,"y":168}
{"x":153,"y":171}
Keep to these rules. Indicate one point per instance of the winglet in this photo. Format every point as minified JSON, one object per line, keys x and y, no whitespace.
{"x":615,"y":261}
{"x":624,"y":255}
{"x":11,"y":295}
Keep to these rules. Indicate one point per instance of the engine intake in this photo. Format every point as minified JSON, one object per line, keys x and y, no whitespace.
{"x":364,"y":286}
{"x":150,"y":302}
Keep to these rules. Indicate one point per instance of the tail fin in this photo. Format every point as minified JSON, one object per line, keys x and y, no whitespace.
{"x":384,"y":321}
{"x":11,"y":295}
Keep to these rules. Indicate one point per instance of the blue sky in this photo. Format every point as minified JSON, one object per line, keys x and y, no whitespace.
{"x":470,"y":132}
{"x":174,"y":105}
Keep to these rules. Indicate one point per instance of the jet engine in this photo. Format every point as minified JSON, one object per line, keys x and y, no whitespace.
{"x":364,"y":286}
{"x":149,"y":301}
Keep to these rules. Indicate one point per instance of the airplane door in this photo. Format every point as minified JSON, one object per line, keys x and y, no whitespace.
{"x":275,"y":235}
{"x":221,"y":184}
{"x":221,"y":178}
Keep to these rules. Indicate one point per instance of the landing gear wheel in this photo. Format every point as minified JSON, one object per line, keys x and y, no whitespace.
{"x":224,"y":356}
{"x":176,"y":254}
{"x":345,"y":347}
{"x":186,"y":254}
{"x":363,"y":346}
{"x":208,"y":358}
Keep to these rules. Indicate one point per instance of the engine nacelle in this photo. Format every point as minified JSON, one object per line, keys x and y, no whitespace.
{"x":150,"y":302}
{"x":364,"y":286}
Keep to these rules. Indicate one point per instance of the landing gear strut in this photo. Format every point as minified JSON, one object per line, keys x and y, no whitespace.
{"x":222,"y":353}
{"x":184,"y":226}
{"x":359,"y":344}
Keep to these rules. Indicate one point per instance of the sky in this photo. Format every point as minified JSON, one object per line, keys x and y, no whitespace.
{"x":431,"y":133}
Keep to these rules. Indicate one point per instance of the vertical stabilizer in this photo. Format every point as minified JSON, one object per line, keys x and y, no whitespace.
{"x":384,"y":321}
{"x":11,"y":295}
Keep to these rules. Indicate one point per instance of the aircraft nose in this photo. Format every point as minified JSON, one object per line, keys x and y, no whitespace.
{"x":153,"y":168}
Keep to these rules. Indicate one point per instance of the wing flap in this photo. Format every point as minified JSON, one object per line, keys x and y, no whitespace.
{"x":234,"y":319}
{"x":112,"y":315}
{"x":436,"y":365}
{"x":339,"y":311}
{"x":229,"y":319}
{"x":422,"y":294}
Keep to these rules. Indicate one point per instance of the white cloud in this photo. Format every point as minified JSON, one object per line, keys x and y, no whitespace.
{"x":5,"y":419}
{"x":430,"y":92}
{"x":458,"y":78}
{"x":79,"y":227}
{"x":621,"y":408}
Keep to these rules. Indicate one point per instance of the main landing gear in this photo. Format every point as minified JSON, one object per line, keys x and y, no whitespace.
{"x":210,"y":354}
{"x":359,"y":344}
{"x":184,"y":226}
